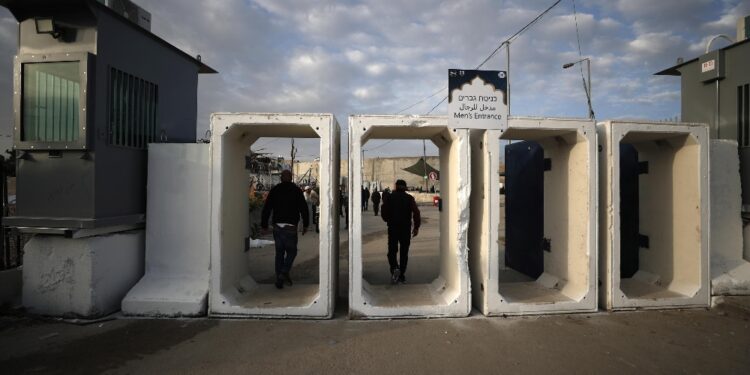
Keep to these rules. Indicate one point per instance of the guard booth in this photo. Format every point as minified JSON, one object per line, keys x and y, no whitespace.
{"x":92,"y":88}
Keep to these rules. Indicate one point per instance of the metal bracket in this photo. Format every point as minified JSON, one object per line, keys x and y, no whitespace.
{"x":643,"y":241}
{"x":547,"y":245}
{"x":642,"y":167}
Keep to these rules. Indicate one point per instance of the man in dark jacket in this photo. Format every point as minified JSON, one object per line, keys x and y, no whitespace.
{"x":287,"y":203}
{"x":365,"y":198}
{"x":375,"y":197}
{"x":398,"y":211}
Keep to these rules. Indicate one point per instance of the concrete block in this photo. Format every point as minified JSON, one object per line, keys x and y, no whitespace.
{"x":730,"y":272}
{"x":233,"y":291}
{"x":86,"y":277}
{"x":177,"y":233}
{"x":568,"y":282}
{"x":449,"y":294}
{"x":654,"y":254}
{"x":10,"y":287}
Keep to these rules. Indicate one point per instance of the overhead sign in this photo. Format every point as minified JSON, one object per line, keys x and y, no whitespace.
{"x":477,"y":99}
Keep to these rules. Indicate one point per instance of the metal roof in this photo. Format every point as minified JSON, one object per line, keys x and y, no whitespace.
{"x":25,"y":9}
{"x":674,"y":70}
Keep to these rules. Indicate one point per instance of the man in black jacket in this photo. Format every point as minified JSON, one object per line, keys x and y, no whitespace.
{"x":398,"y":211}
{"x":287,"y":203}
{"x":375,"y":201}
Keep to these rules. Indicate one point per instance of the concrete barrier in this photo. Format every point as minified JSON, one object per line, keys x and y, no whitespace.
{"x":448,"y":295}
{"x":83,"y":277}
{"x":233,"y":291}
{"x":177,"y":233}
{"x":654,"y":215}
{"x":514,"y":276}
{"x":730,"y":271}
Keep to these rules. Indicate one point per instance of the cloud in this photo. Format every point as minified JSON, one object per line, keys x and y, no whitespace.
{"x":379,"y":56}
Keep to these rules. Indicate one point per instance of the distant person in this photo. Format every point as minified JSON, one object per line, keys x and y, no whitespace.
{"x":313,"y":201}
{"x":375,"y":197}
{"x":287,"y":203}
{"x":344,"y":206}
{"x":398,"y":210}
{"x":365,"y":198}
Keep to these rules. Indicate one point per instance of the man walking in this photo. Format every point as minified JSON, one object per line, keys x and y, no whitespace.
{"x":287,"y":203}
{"x":375,"y":197}
{"x":312,"y":199}
{"x":398,"y":211}
{"x":365,"y":198}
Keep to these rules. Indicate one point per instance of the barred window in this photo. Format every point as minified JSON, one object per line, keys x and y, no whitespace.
{"x":133,"y":104}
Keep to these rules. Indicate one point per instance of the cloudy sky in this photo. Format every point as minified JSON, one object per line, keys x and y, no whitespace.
{"x":379,"y":56}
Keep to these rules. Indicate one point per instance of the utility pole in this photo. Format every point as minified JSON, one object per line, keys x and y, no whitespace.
{"x":424,"y":163}
{"x":293,"y":154}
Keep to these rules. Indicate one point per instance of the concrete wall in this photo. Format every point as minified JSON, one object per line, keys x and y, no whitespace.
{"x":386,"y":170}
{"x":674,"y":214}
{"x":568,"y":282}
{"x":233,"y":291}
{"x":177,"y":233}
{"x":730,"y":271}
{"x":448,"y":295}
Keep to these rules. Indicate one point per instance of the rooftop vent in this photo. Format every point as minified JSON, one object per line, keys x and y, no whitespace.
{"x":131,"y":11}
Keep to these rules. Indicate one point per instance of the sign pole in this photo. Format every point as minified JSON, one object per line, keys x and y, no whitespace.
{"x":507,"y":70}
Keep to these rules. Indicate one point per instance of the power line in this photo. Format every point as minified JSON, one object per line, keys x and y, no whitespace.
{"x":423,"y":99}
{"x":379,"y":146}
{"x":505,"y":43}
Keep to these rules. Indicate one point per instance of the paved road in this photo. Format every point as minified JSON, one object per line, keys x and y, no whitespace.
{"x":713,"y":341}
{"x":424,"y":253}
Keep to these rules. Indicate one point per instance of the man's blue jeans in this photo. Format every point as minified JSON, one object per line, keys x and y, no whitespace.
{"x":286,"y":247}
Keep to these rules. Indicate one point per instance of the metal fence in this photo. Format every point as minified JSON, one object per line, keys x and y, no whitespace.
{"x":11,"y":240}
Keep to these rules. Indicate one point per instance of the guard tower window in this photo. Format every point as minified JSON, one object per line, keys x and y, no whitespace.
{"x":51,"y":101}
{"x":743,"y":115}
{"x":133,"y":106}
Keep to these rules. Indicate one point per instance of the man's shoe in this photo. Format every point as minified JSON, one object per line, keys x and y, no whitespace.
{"x":287,"y":278}
{"x":402,"y":279}
{"x":395,"y":275}
{"x":279,"y":283}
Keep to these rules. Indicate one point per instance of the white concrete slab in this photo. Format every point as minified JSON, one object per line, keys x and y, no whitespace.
{"x":85,"y":277}
{"x":569,"y":281}
{"x":449,"y":294}
{"x":730,"y":272}
{"x":177,"y":233}
{"x":674,"y":213}
{"x":233,"y":291}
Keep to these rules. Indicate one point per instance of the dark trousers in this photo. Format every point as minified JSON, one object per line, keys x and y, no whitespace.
{"x":286,"y":248}
{"x":399,"y":236}
{"x":376,"y":207}
{"x":315,"y":217}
